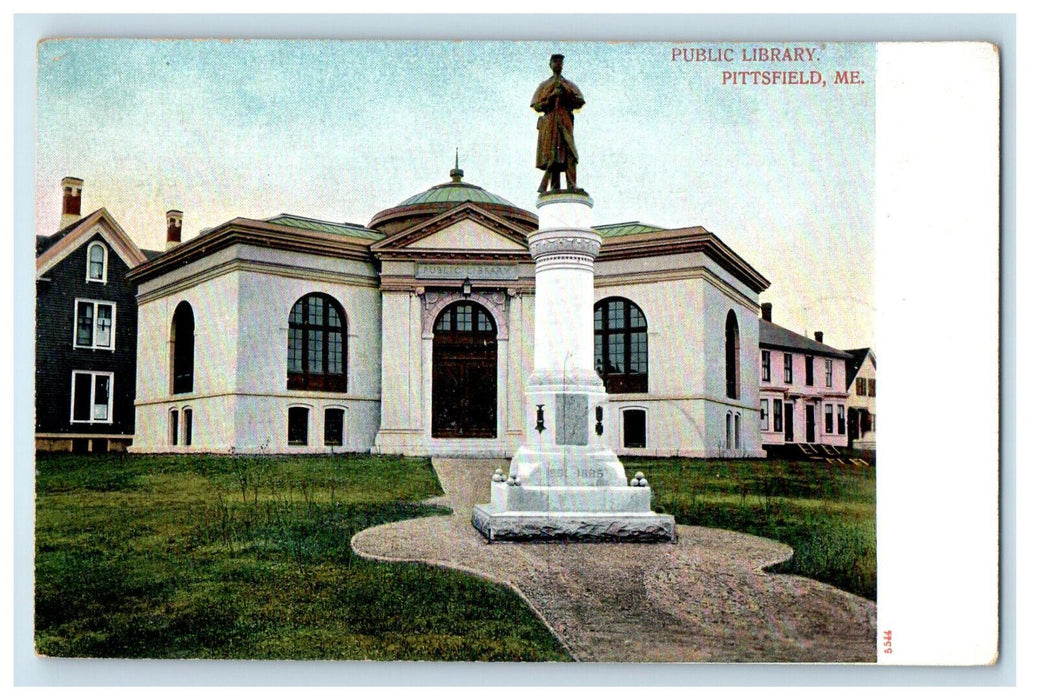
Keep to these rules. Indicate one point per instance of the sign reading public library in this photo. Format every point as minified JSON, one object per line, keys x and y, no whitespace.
{"x":448,"y":271}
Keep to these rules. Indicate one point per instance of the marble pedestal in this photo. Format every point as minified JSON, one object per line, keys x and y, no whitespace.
{"x":565,"y":482}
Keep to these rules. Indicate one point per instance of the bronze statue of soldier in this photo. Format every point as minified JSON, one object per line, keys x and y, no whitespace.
{"x":556,"y":99}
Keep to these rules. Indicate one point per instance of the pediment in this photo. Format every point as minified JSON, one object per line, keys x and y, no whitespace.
{"x":467,"y":234}
{"x":465,"y":228}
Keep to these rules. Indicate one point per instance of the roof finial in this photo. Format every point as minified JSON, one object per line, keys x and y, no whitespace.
{"x":456,"y":174}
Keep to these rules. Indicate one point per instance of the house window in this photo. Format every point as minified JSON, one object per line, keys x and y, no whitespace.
{"x":779,"y":423}
{"x":765,"y":422}
{"x":182,"y":340}
{"x":188,"y":425}
{"x":810,"y":370}
{"x":765,"y":367}
{"x":635,"y":433}
{"x":828,"y":372}
{"x":91,"y":397}
{"x":174,"y":427}
{"x":788,"y":368}
{"x":317,"y":344}
{"x":298,"y":425}
{"x":95,"y":325}
{"x":97,"y":262}
{"x":738,"y":431}
{"x":842,"y":419}
{"x":871,"y":387}
{"x":828,"y":418}
{"x":731,"y":355}
{"x":862,"y":386}
{"x":621,"y":346}
{"x":333,"y":423}
{"x":727,"y":443}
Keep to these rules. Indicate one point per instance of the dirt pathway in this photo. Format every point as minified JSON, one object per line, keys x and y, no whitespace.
{"x":702,"y":599}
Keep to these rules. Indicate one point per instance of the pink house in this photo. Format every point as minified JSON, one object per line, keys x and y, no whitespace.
{"x":803,"y":397}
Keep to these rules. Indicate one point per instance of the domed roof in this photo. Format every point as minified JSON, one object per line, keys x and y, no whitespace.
{"x":442,"y":198}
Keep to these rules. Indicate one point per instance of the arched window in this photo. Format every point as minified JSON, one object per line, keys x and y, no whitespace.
{"x":621,"y":345}
{"x":96,"y":262}
{"x":731,"y":356}
{"x":738,"y":431}
{"x":182,"y":339}
{"x":317,"y":344}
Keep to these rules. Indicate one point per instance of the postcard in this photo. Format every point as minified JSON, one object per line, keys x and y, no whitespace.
{"x":541,"y":351}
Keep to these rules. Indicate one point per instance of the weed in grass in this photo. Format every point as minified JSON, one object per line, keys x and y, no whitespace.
{"x":826,"y":514}
{"x":239,"y":557}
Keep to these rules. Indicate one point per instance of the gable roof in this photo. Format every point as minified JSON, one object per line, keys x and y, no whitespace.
{"x":62,"y":244}
{"x":773,"y":335}
{"x":399,"y":244}
{"x":856,"y":361}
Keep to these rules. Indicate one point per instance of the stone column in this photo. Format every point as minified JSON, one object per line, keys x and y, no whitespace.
{"x":565,"y":482}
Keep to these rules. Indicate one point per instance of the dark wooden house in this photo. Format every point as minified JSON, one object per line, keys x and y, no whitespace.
{"x":86,"y":331}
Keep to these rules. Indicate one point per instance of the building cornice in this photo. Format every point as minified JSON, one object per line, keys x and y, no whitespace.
{"x":266,"y":268}
{"x":683,"y":240}
{"x":258,"y":233}
{"x":677,"y":275}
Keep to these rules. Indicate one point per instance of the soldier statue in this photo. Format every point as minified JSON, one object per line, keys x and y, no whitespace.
{"x":556,"y":99}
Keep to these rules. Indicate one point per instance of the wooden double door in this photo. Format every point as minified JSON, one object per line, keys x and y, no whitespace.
{"x":464,"y":373}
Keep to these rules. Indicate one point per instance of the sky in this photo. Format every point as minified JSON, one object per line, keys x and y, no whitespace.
{"x":339,"y":130}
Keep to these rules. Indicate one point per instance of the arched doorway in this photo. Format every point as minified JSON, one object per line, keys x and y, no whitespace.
{"x":464,"y":373}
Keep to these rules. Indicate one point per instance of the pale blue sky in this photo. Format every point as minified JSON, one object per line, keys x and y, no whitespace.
{"x":341,"y":130}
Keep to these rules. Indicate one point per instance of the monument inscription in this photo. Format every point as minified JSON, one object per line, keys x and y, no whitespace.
{"x":572,"y":411}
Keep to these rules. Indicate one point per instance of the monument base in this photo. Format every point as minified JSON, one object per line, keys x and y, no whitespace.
{"x":531,"y":526}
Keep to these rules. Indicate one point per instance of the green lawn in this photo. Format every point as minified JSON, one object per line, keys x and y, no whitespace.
{"x":825,"y":513}
{"x":224,"y":557}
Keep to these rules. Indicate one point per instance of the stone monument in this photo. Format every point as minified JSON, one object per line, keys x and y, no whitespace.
{"x":565,"y":482}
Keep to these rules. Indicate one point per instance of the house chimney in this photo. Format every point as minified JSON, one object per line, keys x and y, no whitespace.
{"x":766,"y":308}
{"x":71,"y":201}
{"x":819,"y":336}
{"x":174,"y":222}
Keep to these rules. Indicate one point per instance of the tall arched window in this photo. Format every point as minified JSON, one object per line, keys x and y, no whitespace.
{"x":317,"y":344}
{"x":182,"y":338}
{"x":96,"y":262}
{"x":731,"y":356}
{"x":621,"y":345}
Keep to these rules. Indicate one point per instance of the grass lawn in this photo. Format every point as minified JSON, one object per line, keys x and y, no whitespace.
{"x":234,"y":557}
{"x":825,"y":513}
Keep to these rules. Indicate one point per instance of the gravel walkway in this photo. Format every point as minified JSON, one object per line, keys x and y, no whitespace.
{"x":702,"y":599}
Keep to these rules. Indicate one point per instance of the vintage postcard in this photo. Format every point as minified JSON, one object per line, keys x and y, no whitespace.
{"x":513,"y":351}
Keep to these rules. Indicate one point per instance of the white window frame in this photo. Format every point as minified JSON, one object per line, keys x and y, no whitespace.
{"x":623,"y":429}
{"x":828,"y":372}
{"x":765,"y":366}
{"x":93,"y":336}
{"x":185,"y":440}
{"x":174,"y":427}
{"x":765,"y":415}
{"x":104,"y":263}
{"x":93,"y":392}
{"x":310,"y":426}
